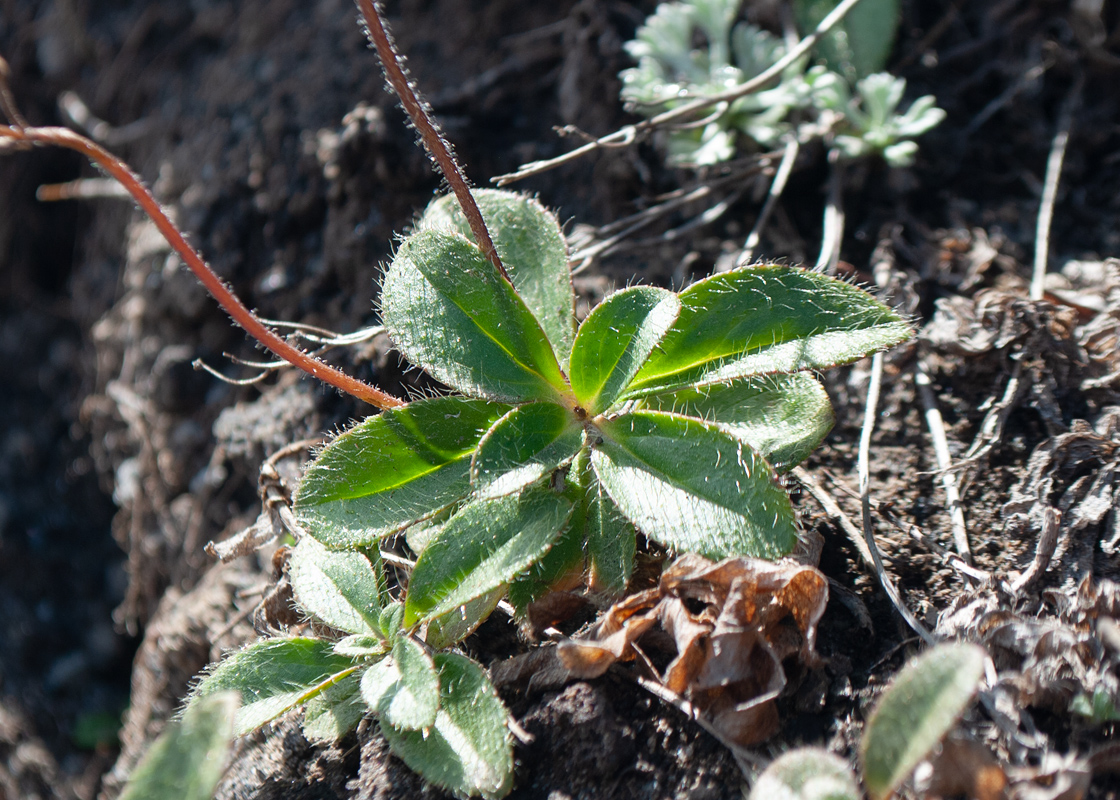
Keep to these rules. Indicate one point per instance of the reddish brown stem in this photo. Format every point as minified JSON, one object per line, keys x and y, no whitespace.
{"x":430,"y":135}
{"x":63,"y":137}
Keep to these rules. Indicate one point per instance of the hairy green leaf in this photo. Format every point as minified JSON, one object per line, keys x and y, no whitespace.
{"x":919,"y":707}
{"x":783,"y":417}
{"x":342,"y":588}
{"x":807,"y":773}
{"x":522,"y":447}
{"x":563,"y":563}
{"x":693,"y":487}
{"x":451,"y":312}
{"x":765,"y":319}
{"x":335,"y":712}
{"x":361,"y":646}
{"x":458,"y":624}
{"x":600,"y":536}
{"x":393,"y":469}
{"x":468,"y":750}
{"x":188,"y":759}
{"x":532,"y":249}
{"x":273,"y":677}
{"x":611,"y":543}
{"x":615,"y":340}
{"x":485,"y":546}
{"x":392,"y":619}
{"x":404,"y":689}
{"x":860,"y":43}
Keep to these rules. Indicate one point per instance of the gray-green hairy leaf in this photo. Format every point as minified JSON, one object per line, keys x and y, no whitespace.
{"x":334,"y":712}
{"x":456,"y":625}
{"x":393,"y":469}
{"x":188,"y":759}
{"x":468,"y":750}
{"x":694,"y":487}
{"x":392,"y":619}
{"x":450,"y":311}
{"x":483,"y":547}
{"x":766,"y":319}
{"x":361,"y":646}
{"x":807,"y":773}
{"x":615,"y":340}
{"x":404,"y":689}
{"x":342,"y":588}
{"x":860,"y":43}
{"x":923,"y":702}
{"x":783,"y":417}
{"x":611,"y":538}
{"x":562,"y":564}
{"x":532,"y":249}
{"x":273,"y":677}
{"x":523,"y":446}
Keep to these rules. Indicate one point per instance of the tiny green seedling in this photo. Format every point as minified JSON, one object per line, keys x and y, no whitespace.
{"x":920,"y":706}
{"x":814,"y":103}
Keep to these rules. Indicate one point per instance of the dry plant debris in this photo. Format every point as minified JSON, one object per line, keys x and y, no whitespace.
{"x":731,"y":624}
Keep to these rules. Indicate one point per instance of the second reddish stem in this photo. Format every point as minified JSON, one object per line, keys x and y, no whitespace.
{"x":433,"y":141}
{"x":63,"y":137}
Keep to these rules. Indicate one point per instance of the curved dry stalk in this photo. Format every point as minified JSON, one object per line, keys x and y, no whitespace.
{"x":936,"y":427}
{"x":833,"y":510}
{"x":777,"y":186}
{"x":325,"y":339}
{"x":628,"y":134}
{"x":430,"y":135}
{"x":865,"y":500}
{"x":832,"y":232}
{"x":63,"y":137}
{"x":1050,"y":191}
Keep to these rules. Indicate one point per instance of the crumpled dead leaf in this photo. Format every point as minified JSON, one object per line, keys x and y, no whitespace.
{"x":731,"y":624}
{"x":995,"y":319}
{"x":1056,"y":479}
{"x":965,"y":767}
{"x":1062,"y":663}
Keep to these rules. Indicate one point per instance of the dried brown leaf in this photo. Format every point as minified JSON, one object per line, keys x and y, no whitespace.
{"x":731,"y":624}
{"x":964,"y":767}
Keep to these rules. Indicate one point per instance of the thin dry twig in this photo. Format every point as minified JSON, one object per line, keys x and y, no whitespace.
{"x":944,"y":460}
{"x":832,"y":234}
{"x":987,"y":112}
{"x":915,"y":533}
{"x":832,"y":508}
{"x":991,"y":427}
{"x":81,"y":189}
{"x":865,"y":500}
{"x":1050,"y":190}
{"x":629,"y":133}
{"x":326,"y":340}
{"x":585,"y":257}
{"x":79,"y":114}
{"x":661,"y":692}
{"x":777,"y":186}
{"x":1044,"y":550}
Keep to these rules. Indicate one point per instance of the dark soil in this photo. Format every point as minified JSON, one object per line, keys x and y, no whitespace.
{"x":266,"y":128}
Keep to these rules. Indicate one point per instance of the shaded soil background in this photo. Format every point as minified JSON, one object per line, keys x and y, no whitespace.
{"x":264,"y":125}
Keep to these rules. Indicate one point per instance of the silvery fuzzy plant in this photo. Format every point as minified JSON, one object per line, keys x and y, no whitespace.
{"x":664,"y":414}
{"x":845,"y":97}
